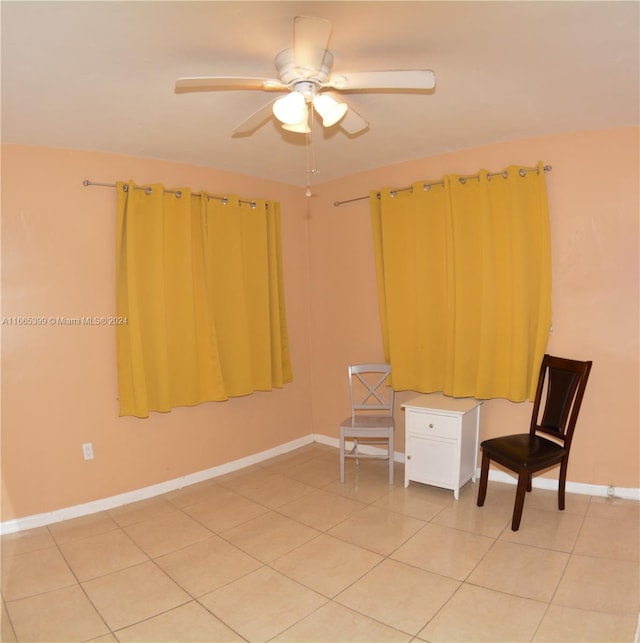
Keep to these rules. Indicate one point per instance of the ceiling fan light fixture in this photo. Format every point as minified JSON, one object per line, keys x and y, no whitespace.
{"x":290,"y":109}
{"x":302,"y":127}
{"x":303,"y":72}
{"x":330,"y":110}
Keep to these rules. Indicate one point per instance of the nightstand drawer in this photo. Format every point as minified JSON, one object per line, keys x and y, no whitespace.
{"x":432,"y":425}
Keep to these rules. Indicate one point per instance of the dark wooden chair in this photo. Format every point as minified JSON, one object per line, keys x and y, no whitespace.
{"x":561,"y":387}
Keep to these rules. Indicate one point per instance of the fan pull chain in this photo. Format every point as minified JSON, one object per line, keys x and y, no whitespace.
{"x":310,"y":154}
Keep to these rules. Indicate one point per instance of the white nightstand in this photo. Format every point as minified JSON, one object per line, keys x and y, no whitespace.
{"x":441,"y":440}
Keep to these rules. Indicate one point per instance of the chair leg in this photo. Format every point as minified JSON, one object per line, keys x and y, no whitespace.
{"x":341,"y":457}
{"x":391,"y":457}
{"x":523,"y":480}
{"x":484,"y":476}
{"x":562,"y":482}
{"x":530,"y":483}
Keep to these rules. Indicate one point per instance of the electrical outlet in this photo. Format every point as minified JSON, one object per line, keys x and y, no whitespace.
{"x":87,"y":450}
{"x":611,"y":491}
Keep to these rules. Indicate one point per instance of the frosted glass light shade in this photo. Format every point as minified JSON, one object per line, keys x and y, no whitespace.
{"x":330,"y":110}
{"x":290,"y":109}
{"x":302,"y":127}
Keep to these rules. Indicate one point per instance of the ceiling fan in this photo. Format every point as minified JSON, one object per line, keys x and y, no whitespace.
{"x":304,"y":71}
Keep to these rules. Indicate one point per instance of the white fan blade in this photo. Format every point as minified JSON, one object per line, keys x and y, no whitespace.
{"x":310,"y":39}
{"x":256,"y":120}
{"x":394,"y":79}
{"x":353,"y":123}
{"x":217,"y":83}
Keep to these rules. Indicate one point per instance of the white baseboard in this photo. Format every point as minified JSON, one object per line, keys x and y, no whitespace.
{"x":625,"y":493}
{"x":40,"y":520}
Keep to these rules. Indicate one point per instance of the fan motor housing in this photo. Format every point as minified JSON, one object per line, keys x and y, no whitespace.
{"x":291,"y":75}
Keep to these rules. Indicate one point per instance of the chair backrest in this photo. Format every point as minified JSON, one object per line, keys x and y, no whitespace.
{"x":369,"y":389}
{"x":561,"y":387}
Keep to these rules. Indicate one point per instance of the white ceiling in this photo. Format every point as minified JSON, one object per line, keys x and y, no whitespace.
{"x":100,"y":76}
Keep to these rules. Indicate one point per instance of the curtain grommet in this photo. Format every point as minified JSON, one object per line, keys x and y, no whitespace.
{"x":178,"y":194}
{"x":148,"y":191}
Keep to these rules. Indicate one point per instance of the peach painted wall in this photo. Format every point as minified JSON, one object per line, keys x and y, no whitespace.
{"x":594,"y":207}
{"x":59,"y":383}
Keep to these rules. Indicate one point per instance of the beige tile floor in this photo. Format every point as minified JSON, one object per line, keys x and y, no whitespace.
{"x":282,"y":551}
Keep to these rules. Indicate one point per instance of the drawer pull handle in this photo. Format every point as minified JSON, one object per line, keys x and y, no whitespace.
{"x":431,"y":426}
{"x":408,"y":457}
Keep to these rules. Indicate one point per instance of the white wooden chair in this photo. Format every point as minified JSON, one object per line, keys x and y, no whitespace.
{"x":371,"y":421}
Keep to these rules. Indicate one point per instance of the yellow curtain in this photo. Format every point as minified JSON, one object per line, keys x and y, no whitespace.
{"x":199,"y":281}
{"x":464,"y":283}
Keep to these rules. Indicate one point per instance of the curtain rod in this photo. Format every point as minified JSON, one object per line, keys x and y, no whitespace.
{"x":178,"y":193}
{"x":463,"y":179}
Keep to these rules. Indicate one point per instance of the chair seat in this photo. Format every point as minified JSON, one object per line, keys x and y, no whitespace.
{"x":524,"y":450}
{"x":370,"y":422}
